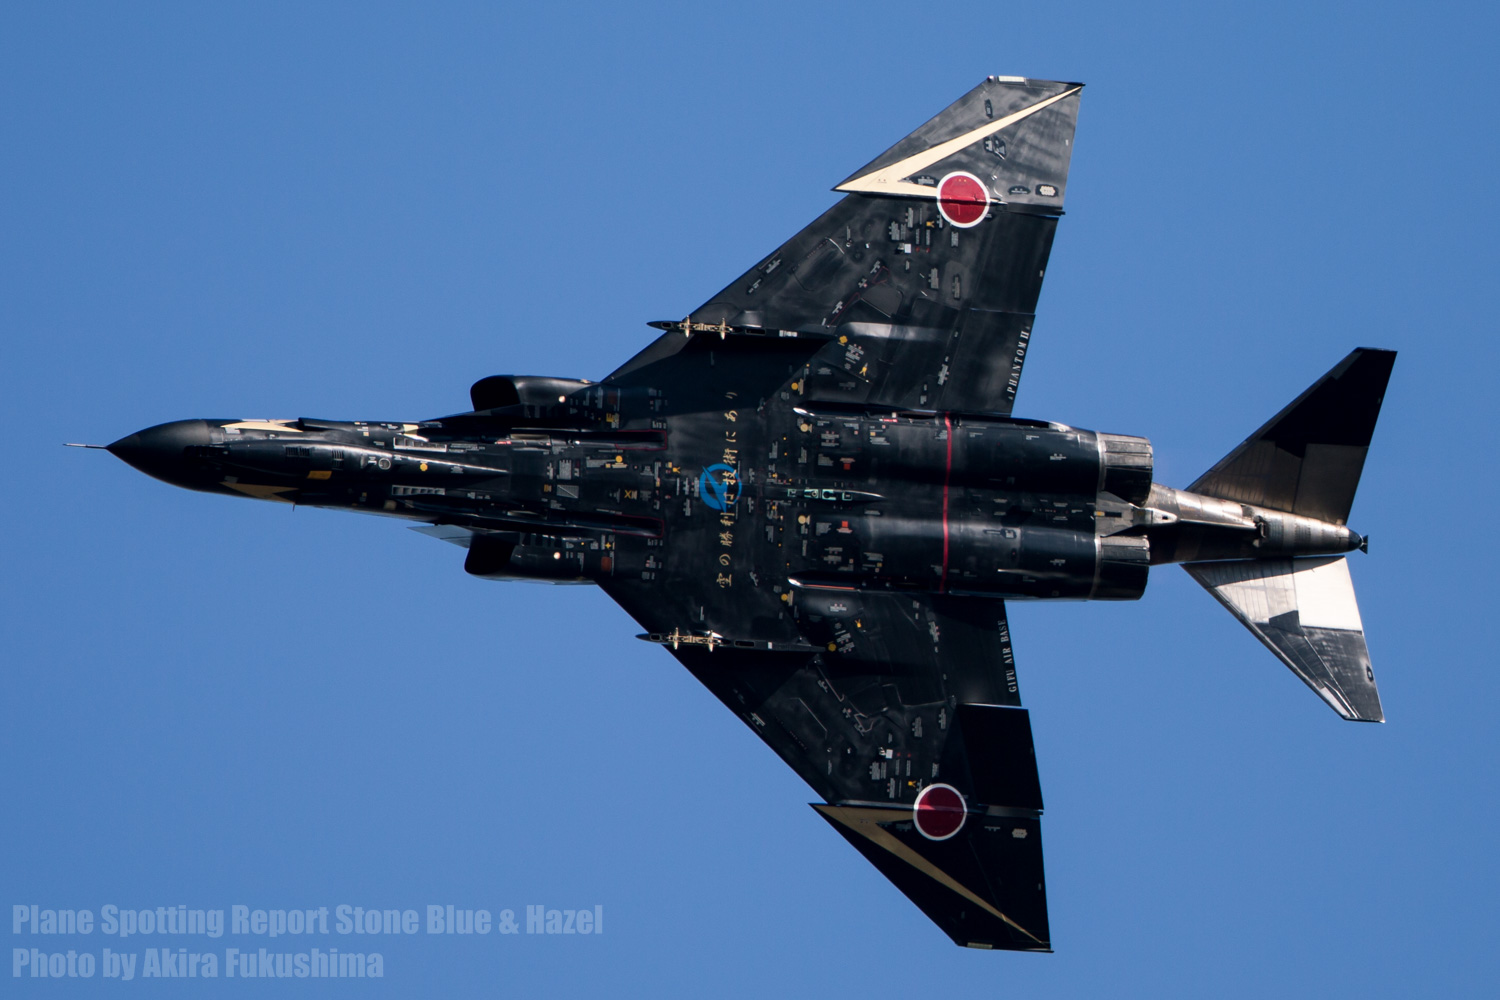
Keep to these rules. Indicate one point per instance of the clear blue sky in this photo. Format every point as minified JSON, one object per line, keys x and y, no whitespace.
{"x":314,"y":210}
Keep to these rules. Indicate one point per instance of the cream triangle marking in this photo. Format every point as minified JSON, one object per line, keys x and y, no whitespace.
{"x":892,"y":179}
{"x":865,"y":822}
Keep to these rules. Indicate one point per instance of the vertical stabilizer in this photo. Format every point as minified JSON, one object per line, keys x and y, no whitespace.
{"x":1305,"y":612}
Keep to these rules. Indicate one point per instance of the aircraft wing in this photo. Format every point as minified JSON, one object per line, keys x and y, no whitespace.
{"x":880,"y":697}
{"x":901,"y":709}
{"x":926,"y":274}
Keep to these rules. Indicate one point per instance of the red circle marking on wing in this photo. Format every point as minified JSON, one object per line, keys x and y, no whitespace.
{"x":939,"y":812}
{"x":962,"y":199}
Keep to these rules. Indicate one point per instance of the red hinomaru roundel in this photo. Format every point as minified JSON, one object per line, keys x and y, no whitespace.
{"x":939,"y":812}
{"x":962,"y":199}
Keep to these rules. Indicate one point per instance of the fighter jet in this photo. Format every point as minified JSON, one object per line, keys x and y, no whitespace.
{"x":811,"y":491}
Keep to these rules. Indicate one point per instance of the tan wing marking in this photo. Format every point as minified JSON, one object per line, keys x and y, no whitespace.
{"x":891,"y":180}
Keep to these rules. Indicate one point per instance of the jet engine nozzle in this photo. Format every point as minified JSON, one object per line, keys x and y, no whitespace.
{"x":161,"y":451}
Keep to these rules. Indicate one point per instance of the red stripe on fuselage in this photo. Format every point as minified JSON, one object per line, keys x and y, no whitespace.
{"x":947,"y":474}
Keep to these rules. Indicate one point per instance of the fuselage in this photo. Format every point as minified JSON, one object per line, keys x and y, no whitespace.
{"x":581,"y":482}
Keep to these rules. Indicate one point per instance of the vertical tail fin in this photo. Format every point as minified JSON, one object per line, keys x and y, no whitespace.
{"x":1308,"y":458}
{"x":1305,"y":612}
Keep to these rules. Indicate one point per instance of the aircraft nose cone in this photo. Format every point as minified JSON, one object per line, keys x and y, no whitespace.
{"x":160,"y":451}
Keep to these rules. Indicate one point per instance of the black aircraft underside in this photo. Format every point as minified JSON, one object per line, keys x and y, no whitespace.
{"x":812,"y":492}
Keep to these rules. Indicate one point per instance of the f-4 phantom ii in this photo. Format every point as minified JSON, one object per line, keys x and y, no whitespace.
{"x":812,"y":492}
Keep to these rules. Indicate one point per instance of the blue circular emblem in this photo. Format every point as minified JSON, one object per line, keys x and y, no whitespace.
{"x":719,"y":486}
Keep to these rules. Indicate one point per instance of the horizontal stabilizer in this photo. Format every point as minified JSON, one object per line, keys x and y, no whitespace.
{"x":1308,"y":459}
{"x":1303,"y":610}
